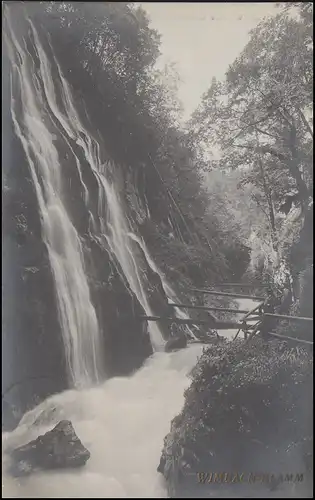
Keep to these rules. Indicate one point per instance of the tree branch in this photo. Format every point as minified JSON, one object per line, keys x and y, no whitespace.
{"x":305,"y":122}
{"x":254,"y":197}
{"x":276,"y":108}
{"x":267,"y":133}
{"x":265,"y":149}
{"x":261,"y":120}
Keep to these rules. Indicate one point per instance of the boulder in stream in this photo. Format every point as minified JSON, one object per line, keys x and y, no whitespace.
{"x":175,"y":343}
{"x":57,"y":449}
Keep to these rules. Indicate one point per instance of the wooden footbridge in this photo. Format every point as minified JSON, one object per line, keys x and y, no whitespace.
{"x":255,"y":321}
{"x":258,"y":320}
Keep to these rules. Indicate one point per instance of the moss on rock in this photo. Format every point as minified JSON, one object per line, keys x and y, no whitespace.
{"x":247,"y":410}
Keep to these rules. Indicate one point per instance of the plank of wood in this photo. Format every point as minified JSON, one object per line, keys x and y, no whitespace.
{"x":291,"y":318}
{"x":285,"y":337}
{"x":253,"y":333}
{"x":205,"y":308}
{"x":253,"y":318}
{"x":218,"y":325}
{"x":243,"y":285}
{"x":253,"y":310}
{"x":228,"y":294}
{"x":247,"y":316}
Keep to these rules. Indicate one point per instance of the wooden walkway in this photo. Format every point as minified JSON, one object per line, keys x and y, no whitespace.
{"x":252,"y":322}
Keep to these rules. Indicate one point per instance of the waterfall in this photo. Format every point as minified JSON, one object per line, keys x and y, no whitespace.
{"x":32,"y":115}
{"x":120,"y":240}
{"x":41,"y":120}
{"x":171,"y":295}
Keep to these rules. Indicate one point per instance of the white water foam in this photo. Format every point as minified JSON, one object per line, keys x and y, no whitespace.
{"x":36,"y":117}
{"x":33,"y":125}
{"x":122,"y":423}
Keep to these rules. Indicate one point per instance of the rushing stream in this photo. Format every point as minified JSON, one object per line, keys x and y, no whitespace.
{"x":124,"y":420}
{"x":123,"y":423}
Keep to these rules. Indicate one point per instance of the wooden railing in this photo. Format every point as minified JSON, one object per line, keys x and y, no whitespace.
{"x":245,"y":324}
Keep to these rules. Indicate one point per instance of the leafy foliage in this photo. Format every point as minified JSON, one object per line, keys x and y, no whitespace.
{"x":246,"y":409}
{"x":107,"y":52}
{"x":259,"y":122}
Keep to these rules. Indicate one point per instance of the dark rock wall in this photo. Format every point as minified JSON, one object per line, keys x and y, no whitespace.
{"x":32,"y":350}
{"x":33,"y":353}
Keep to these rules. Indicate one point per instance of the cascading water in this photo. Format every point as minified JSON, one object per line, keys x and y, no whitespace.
{"x":171,"y":295}
{"x":120,"y":242}
{"x":38,"y":120}
{"x":113,"y":223}
{"x":33,"y":124}
{"x":123,"y":421}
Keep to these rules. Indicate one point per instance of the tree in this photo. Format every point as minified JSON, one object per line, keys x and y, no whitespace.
{"x":259,"y":117}
{"x":107,"y":53}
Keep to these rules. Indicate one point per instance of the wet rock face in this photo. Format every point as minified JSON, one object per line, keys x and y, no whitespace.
{"x":57,"y":449}
{"x":158,"y":302}
{"x":125,"y":339}
{"x":34,"y":365}
{"x":33,"y":359}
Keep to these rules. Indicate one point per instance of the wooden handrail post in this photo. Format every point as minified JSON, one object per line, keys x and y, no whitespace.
{"x":259,"y":307}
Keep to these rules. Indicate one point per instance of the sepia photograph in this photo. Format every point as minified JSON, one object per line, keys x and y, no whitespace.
{"x":157,"y":249}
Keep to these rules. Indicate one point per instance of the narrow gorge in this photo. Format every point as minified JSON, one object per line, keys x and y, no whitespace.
{"x":107,"y":218}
